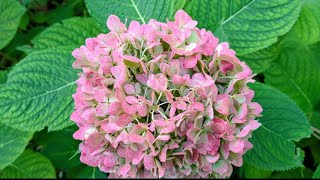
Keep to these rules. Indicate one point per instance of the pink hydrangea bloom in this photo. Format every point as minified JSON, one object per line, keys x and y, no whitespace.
{"x":162,"y":100}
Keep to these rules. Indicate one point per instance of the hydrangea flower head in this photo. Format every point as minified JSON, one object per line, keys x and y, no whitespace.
{"x":162,"y":100}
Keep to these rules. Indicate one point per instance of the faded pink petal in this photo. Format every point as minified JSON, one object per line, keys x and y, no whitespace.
{"x":114,"y":24}
{"x":124,"y":169}
{"x":236,"y":146}
{"x":222,"y":104}
{"x":148,"y":162}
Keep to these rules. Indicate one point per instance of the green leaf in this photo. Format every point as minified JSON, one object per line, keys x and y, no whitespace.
{"x":12,"y":144}
{"x":296,"y":74}
{"x":307,"y":28}
{"x":248,"y":25}
{"x":317,"y":173}
{"x":261,"y":60}
{"x":179,"y":5}
{"x":247,"y":171}
{"x":315,"y":49}
{"x":315,"y":119}
{"x":69,"y":33}
{"x":297,"y":173}
{"x":29,"y":165}
{"x":139,"y":10}
{"x":60,"y":156}
{"x":280,"y":114}
{"x":281,"y":124}
{"x":84,"y":171}
{"x":39,"y":91}
{"x":3,"y":76}
{"x":11,"y":12}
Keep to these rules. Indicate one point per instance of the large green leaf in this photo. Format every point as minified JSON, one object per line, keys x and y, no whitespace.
{"x":69,"y":33}
{"x":38,"y":91}
{"x":297,"y":173}
{"x":261,"y":60}
{"x":11,"y":12}
{"x":139,"y":10}
{"x":247,"y":171}
{"x":317,"y":173}
{"x":307,"y":28}
{"x":29,"y":165}
{"x":12,"y":144}
{"x":62,"y":157}
{"x":84,"y":171}
{"x":297,"y":74}
{"x":3,"y":76}
{"x":281,"y":124}
{"x":248,"y":25}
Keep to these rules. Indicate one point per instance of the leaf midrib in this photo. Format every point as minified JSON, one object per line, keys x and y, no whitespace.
{"x":137,"y":10}
{"x":39,"y":95}
{"x":235,"y":14}
{"x":19,"y":169}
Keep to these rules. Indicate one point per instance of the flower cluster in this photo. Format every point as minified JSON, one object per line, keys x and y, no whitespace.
{"x":162,"y":100}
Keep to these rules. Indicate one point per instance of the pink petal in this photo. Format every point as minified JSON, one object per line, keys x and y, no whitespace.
{"x":143,"y":110}
{"x":238,"y":162}
{"x":110,"y":127}
{"x":114,"y":24}
{"x":130,"y":109}
{"x":212,"y":159}
{"x":220,"y":167}
{"x":192,"y":133}
{"x":199,"y":106}
{"x":168,"y":129}
{"x":148,"y":162}
{"x":242,"y":112}
{"x":124,"y":169}
{"x":114,"y":108}
{"x":110,"y":160}
{"x":142,"y":78}
{"x":137,"y":160}
{"x":124,"y":120}
{"x":237,"y":146}
{"x":136,"y":138}
{"x":76,"y":116}
{"x":222,"y":105}
{"x":163,"y":154}
{"x":129,"y":88}
{"x":163,"y":137}
{"x":131,"y":99}
{"x":245,"y":131}
{"x":257,"y":109}
{"x":254,"y":124}
{"x":190,"y":62}
{"x":184,"y":20}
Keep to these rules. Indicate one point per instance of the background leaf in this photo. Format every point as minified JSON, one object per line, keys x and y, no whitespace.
{"x":71,"y":33}
{"x":248,"y":25}
{"x":11,"y":12}
{"x":282,"y":122}
{"x":247,"y":171}
{"x":3,"y":76}
{"x":84,"y":171}
{"x":317,"y":173}
{"x":139,"y":10}
{"x":60,"y":156}
{"x":38,"y":91}
{"x":29,"y":165}
{"x":297,"y":74}
{"x":12,"y":144}
{"x":261,"y":60}
{"x":297,"y":173}
{"x":307,"y":27}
